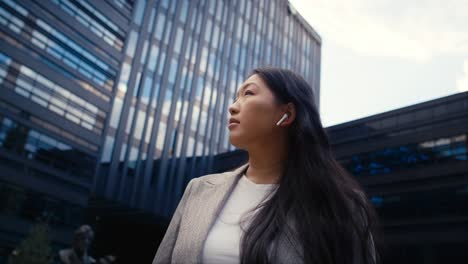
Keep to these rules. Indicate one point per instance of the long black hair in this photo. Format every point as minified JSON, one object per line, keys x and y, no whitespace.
{"x":320,"y":208}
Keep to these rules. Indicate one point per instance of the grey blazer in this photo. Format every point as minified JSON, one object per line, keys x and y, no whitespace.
{"x":201,"y":203}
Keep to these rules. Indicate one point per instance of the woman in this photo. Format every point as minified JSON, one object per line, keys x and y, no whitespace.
{"x":291,"y":203}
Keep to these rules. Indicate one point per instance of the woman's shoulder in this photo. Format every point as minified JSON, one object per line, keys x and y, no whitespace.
{"x":218,"y":178}
{"x":214,"y":178}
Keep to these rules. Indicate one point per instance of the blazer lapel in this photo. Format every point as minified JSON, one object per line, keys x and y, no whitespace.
{"x":208,"y":205}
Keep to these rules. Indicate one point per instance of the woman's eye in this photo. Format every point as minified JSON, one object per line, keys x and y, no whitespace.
{"x":247,"y":92}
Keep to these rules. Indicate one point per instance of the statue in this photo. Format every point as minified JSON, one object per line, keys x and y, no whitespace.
{"x":78,"y":254}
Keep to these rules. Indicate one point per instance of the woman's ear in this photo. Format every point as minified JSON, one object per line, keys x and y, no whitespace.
{"x":289,"y":109}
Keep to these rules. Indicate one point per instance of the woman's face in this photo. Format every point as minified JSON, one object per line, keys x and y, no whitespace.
{"x":253,"y":114}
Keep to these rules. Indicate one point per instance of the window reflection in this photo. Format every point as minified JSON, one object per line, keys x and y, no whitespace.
{"x":168,"y":29}
{"x":173,"y":71}
{"x":396,"y":158}
{"x":46,"y":93}
{"x":153,"y":56}
{"x":145,"y":95}
{"x":178,"y":40}
{"x":449,"y":201}
{"x":97,"y":24}
{"x":139,"y":10}
{"x":140,"y":122}
{"x":160,"y":26}
{"x":22,"y":140}
{"x":131,"y":44}
{"x":115,"y":113}
{"x":184,"y":11}
{"x":64,"y":49}
{"x":124,"y":4}
{"x":161,"y":137}
{"x":57,"y":68}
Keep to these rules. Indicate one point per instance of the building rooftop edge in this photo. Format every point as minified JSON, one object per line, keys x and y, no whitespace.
{"x":296,"y":14}
{"x":416,"y":106}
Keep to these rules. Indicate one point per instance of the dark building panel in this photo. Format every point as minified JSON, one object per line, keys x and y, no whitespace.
{"x":58,"y":65}
{"x":413,"y":165}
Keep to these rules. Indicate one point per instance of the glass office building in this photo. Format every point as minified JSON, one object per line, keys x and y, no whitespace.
{"x":58,"y":64}
{"x":116,"y":98}
{"x":413,"y":165}
{"x":181,"y":65}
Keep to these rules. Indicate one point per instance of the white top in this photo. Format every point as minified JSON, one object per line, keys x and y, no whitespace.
{"x":222,"y":243}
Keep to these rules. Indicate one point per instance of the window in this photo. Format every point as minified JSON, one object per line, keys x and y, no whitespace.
{"x":64,"y":49}
{"x":22,"y":140}
{"x":54,"y":97}
{"x":173,"y":71}
{"x":441,"y":150}
{"x":178,"y":40}
{"x":97,"y":24}
{"x":139,"y":10}
{"x":131,"y":44}
{"x":184,"y":11}
{"x":160,"y":26}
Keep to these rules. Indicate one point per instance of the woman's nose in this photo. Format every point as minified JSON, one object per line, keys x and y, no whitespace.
{"x":233,"y":108}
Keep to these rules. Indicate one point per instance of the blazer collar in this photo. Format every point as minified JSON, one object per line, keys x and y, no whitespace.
{"x":210,"y":202}
{"x":229,"y":178}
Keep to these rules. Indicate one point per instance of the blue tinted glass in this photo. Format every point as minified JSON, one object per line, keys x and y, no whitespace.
{"x":153,"y":58}
{"x":139,"y":10}
{"x":54,"y":97}
{"x":161,"y":62}
{"x":160,"y":26}
{"x":184,"y":11}
{"x":147,"y":89}
{"x":156,"y":93}
{"x":131,"y":44}
{"x":208,"y":31}
{"x":173,"y":71}
{"x":22,"y":140}
{"x":165,"y":3}
{"x":151,"y":21}
{"x":168,"y":32}
{"x":178,"y":40}
{"x":65,"y":50}
{"x":200,"y":84}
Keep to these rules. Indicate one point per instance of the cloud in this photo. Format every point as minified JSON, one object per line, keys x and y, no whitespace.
{"x":462,"y":82}
{"x":412,"y":30}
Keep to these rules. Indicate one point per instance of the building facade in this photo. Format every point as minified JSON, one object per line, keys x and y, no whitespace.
{"x":58,"y":64}
{"x":182,"y":64}
{"x":126,"y":100}
{"x":413,"y":165}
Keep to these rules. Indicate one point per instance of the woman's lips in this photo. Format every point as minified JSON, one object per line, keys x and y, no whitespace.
{"x":232,"y":125}
{"x":232,"y":122}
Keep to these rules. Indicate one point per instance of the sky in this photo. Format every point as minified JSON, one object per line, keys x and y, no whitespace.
{"x":381,"y":55}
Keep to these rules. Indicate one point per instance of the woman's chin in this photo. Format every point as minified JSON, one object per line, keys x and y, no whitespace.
{"x":236,"y":141}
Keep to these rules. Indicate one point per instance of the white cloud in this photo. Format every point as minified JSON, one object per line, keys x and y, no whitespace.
{"x":413,"y":30}
{"x":462,"y":82}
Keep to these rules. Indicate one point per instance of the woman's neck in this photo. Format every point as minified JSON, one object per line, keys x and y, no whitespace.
{"x":266,"y":163}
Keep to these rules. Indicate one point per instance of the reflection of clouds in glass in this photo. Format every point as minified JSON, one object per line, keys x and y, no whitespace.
{"x":139,"y":124}
{"x":208,"y":92}
{"x":204,"y":60}
{"x":199,"y":116}
{"x":166,"y":106}
{"x":462,"y":82}
{"x":149,"y":129}
{"x":161,"y":136}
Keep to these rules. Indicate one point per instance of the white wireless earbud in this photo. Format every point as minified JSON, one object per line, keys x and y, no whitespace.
{"x":282,"y":119}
